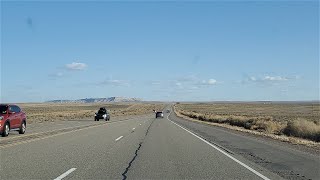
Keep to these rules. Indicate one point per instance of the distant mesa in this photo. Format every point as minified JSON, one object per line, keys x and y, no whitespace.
{"x":98,"y":100}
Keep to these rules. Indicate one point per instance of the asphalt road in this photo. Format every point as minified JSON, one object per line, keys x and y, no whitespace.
{"x":140,"y":147}
{"x":59,"y":124}
{"x":281,"y":158}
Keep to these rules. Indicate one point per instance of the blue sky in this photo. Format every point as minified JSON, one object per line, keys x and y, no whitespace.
{"x":183,"y":51}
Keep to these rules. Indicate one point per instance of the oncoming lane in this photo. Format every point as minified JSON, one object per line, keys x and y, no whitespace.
{"x":83,"y":149}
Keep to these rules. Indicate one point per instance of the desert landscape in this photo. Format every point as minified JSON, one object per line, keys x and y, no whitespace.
{"x":301,"y":120}
{"x":43,"y":112}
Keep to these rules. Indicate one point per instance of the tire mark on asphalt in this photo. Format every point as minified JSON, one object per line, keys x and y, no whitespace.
{"x":124,"y":174}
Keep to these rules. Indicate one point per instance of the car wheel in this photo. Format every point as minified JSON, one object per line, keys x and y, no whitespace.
{"x":23,"y":127}
{"x":6,"y":130}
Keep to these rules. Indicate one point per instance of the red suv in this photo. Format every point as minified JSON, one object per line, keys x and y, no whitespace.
{"x":12,"y":118}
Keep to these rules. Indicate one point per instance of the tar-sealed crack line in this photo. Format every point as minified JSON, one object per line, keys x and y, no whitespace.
{"x":124,"y":174}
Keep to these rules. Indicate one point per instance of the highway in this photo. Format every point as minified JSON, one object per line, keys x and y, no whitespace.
{"x":143,"y":147}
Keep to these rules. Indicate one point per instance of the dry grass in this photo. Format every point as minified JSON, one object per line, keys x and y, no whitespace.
{"x":296,"y":120}
{"x":50,"y":111}
{"x":304,"y":129}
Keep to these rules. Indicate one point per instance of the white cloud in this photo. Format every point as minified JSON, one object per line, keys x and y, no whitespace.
{"x":268,"y":79}
{"x":252,"y":79}
{"x":76,"y":66}
{"x":191,"y":78}
{"x":207,"y":82}
{"x":56,"y":75}
{"x":182,"y":85}
{"x":194,"y":87}
{"x":274,"y":78}
{"x":212,"y":81}
{"x":175,"y":88}
{"x":155,"y":83}
{"x":115,"y":82}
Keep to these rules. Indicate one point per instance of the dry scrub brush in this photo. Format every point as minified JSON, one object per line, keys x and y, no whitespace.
{"x":298,"y":127}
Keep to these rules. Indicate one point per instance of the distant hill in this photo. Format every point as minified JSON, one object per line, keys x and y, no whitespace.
{"x":98,"y":100}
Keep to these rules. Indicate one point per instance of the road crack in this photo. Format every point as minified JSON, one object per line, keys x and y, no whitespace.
{"x":124,"y":174}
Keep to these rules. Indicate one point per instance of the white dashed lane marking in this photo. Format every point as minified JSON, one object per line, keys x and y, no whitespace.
{"x":65,"y":174}
{"x":119,"y":138}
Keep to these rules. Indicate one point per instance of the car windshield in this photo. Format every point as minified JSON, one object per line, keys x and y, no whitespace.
{"x":3,"y":109}
{"x":102,"y":111}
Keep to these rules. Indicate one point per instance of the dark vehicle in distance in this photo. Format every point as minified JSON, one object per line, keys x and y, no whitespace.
{"x":168,"y":111}
{"x":159,"y":114}
{"x":12,"y":118}
{"x":102,"y":114}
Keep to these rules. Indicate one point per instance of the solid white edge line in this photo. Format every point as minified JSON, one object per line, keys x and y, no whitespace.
{"x":65,"y":174}
{"x":119,"y":138}
{"x":226,"y":154}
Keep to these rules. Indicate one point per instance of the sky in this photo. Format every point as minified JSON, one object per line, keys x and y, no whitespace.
{"x":162,"y":51}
